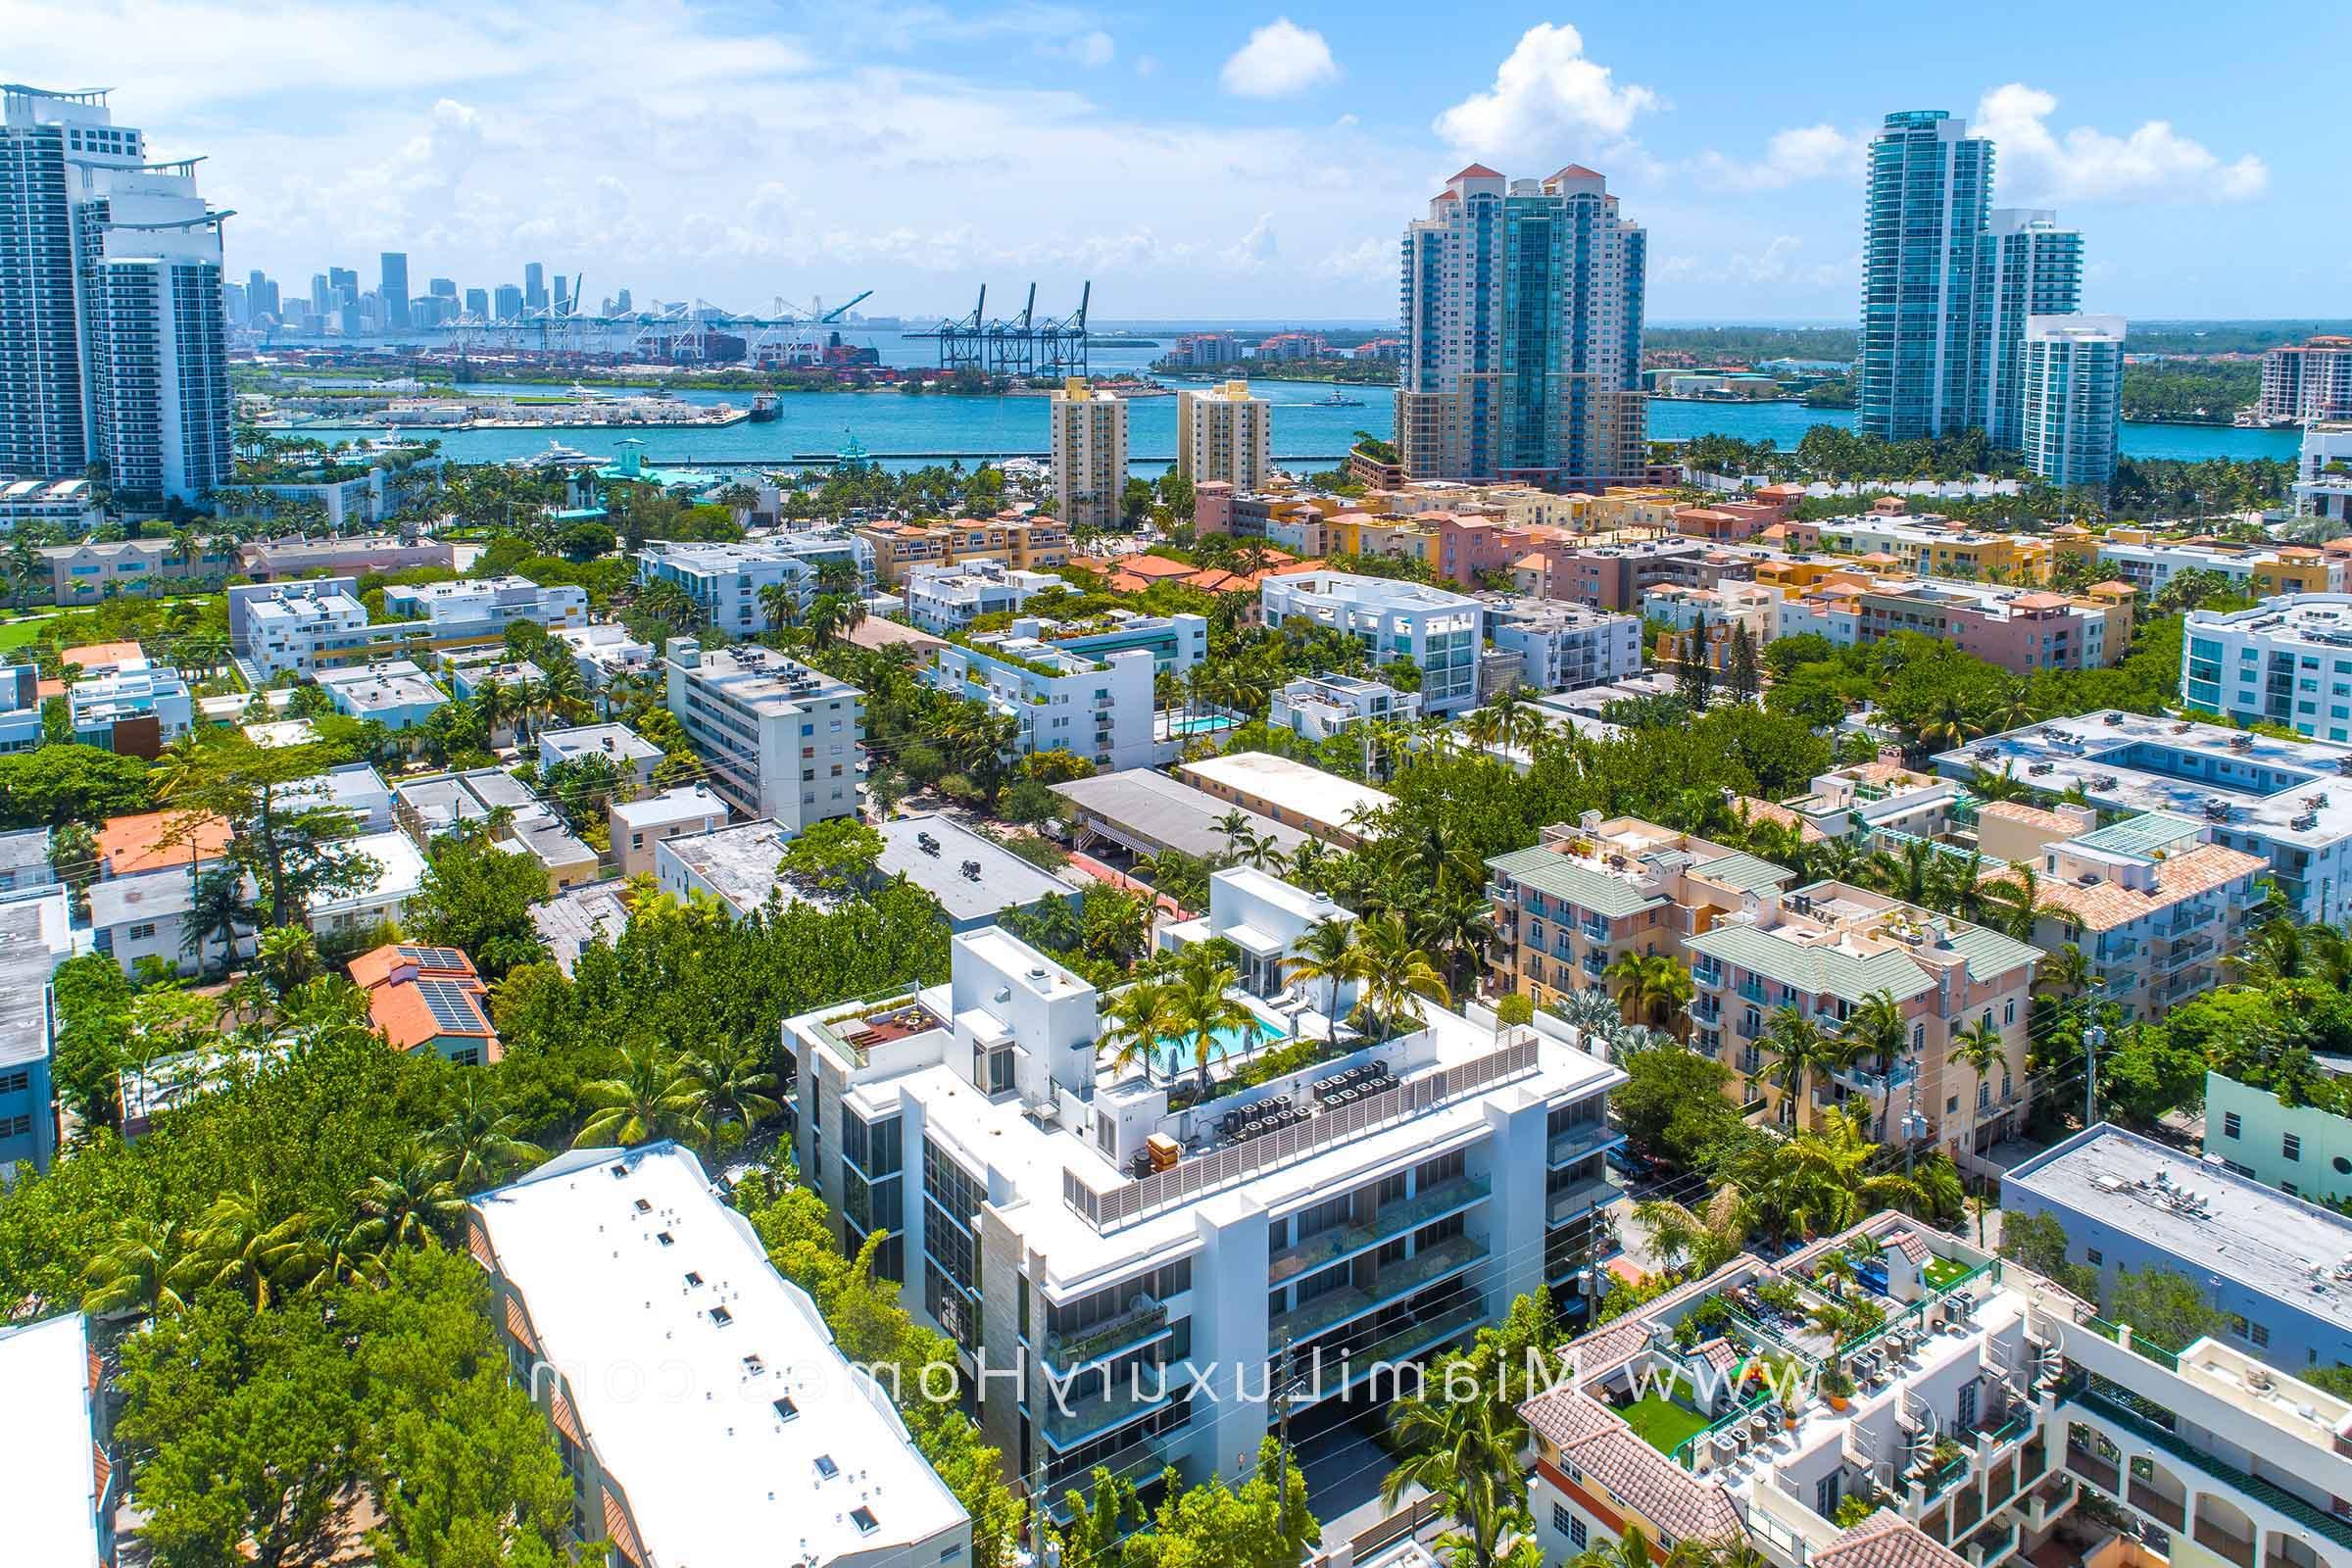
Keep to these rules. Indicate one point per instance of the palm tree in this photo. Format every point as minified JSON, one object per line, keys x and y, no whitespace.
{"x":1466,"y":1454}
{"x":1328,"y":954}
{"x":237,"y":1245}
{"x":780,"y":603}
{"x":1828,"y":1183}
{"x":131,"y":1276}
{"x":1592,"y":1015}
{"x":1802,"y":1051}
{"x":1202,"y":1008}
{"x":413,"y":1205}
{"x":217,"y":908}
{"x":651,"y":1096}
{"x":1398,"y":975}
{"x":1134,"y":1021}
{"x":1705,"y":1237}
{"x":1456,"y":925}
{"x":736,"y":1086}
{"x":481,"y":1141}
{"x":1653,"y":989}
{"x":2065,"y":973}
{"x":2015,"y":905}
{"x":1628,"y":1551}
{"x":498,"y":705}
{"x":1951,"y":726}
{"x":1980,"y":1049}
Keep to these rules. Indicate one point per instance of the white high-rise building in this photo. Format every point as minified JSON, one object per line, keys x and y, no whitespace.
{"x":113,"y":310}
{"x":2070,"y":396}
{"x":1090,"y":454}
{"x":2026,"y":266}
{"x":1224,"y":433}
{"x":1521,"y":305}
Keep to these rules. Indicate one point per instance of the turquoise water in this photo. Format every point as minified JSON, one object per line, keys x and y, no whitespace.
{"x":1175,"y":1057}
{"x":890,"y":421}
{"x":1199,"y":723}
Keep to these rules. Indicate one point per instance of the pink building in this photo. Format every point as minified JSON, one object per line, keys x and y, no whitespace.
{"x":1212,"y":507}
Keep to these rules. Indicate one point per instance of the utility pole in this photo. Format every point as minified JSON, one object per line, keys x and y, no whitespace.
{"x":2093,"y":1038}
{"x":1281,"y":1437}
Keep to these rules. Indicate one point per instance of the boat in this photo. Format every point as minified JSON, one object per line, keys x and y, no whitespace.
{"x":1337,"y":400}
{"x":763,"y":409}
{"x":557,"y":456}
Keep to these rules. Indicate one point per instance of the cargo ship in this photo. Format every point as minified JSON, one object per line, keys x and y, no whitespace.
{"x":763,"y":409}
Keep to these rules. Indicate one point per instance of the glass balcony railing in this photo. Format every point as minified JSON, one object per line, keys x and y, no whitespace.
{"x":1392,"y":1220}
{"x":1130,"y":1328}
{"x":1574,"y":1143}
{"x":1393,"y":1283}
{"x":1067,"y":1425}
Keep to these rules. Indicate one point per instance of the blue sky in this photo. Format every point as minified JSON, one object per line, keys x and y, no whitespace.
{"x":1209,"y":158}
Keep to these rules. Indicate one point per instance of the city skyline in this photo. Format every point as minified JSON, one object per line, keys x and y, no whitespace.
{"x":1235,"y":163}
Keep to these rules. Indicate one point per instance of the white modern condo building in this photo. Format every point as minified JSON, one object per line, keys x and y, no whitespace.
{"x":2069,"y":397}
{"x":111,"y":331}
{"x":1396,"y":621}
{"x":1107,"y":1240}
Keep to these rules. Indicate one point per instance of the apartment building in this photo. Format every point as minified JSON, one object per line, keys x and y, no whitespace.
{"x":129,"y":706}
{"x":1522,"y":305}
{"x":58,"y":1462}
{"x":430,"y":805}
{"x":630,"y":755}
{"x":1715,"y":616}
{"x":20,"y":707}
{"x":1588,"y":895}
{"x":479,"y":610}
{"x":637,"y":826}
{"x":1982,"y":1412}
{"x":948,"y":597}
{"x":1934,"y":547}
{"x":70,"y":504}
{"x":1317,"y":707}
{"x":1226,"y":435}
{"x":758,"y":1437}
{"x":2021,"y":630}
{"x":1435,"y":631}
{"x":1098,"y":1221}
{"x":35,"y":937}
{"x":303,"y":627}
{"x":2137,"y":557}
{"x":975,"y":880}
{"x":2285,"y":662}
{"x":1026,"y":544}
{"x":2271,"y":1260}
{"x":275,"y":559}
{"x":1175,"y":642}
{"x":605,"y":650}
{"x":1561,"y":647}
{"x":395,"y":694}
{"x":1088,"y":431}
{"x":726,"y":581}
{"x":145,"y":917}
{"x":2306,"y":381}
{"x":2322,"y":486}
{"x":2152,"y":903}
{"x":88,"y":571}
{"x":782,"y":741}
{"x":1059,"y":699}
{"x":1615,"y":577}
{"x":1826,"y":950}
{"x":2277,"y":799}
{"x":1293,"y":794}
{"x":2069,"y":397}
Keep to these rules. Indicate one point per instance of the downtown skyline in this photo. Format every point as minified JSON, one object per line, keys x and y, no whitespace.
{"x":1241,"y":163}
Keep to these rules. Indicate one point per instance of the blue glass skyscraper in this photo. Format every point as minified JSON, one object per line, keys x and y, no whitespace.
{"x":1930,"y":191}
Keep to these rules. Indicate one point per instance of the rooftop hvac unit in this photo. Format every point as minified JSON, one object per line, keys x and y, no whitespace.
{"x":925,"y":842}
{"x":972,"y":870}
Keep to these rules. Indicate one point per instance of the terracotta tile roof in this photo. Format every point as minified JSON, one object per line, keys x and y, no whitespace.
{"x":1719,"y":1354}
{"x":1152,"y":567}
{"x":91,"y":654}
{"x":1611,"y":1345}
{"x":2030,"y":816}
{"x":154,"y":841}
{"x":1761,"y":810}
{"x":2106,"y":906}
{"x":1608,"y":1454}
{"x":1886,"y":772}
{"x":396,"y":978}
{"x":1887,"y":1540}
{"x":1577,"y":172}
{"x":414,"y":959}
{"x":1479,"y":172}
{"x":2113,"y":585}
{"x":1909,"y":1245}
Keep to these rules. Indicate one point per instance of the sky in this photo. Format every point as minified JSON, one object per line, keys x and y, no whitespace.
{"x":1209,"y":160}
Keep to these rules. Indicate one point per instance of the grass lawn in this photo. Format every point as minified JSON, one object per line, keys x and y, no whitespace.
{"x":17,"y":633}
{"x":1663,"y":1424}
{"x":1941,"y":1271}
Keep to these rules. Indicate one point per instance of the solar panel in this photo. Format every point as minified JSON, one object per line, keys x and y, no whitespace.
{"x":434,"y":957}
{"x":452,"y":1007}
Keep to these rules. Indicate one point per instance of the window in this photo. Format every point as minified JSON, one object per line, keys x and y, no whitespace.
{"x":142,"y":932}
{"x":1569,"y":1525}
{"x":721,"y":1316}
{"x":2231,"y":1125}
{"x":2092,"y":1257}
{"x":2290,"y":1147}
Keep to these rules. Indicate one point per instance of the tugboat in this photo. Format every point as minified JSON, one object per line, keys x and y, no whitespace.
{"x":763,"y":409}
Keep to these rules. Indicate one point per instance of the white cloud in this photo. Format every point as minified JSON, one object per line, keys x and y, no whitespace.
{"x":1779,"y":262}
{"x":1371,"y":260}
{"x":1792,"y":157}
{"x":2090,"y":165}
{"x":1547,"y":89}
{"x":1252,"y":250}
{"x":1281,"y":58}
{"x":1092,"y":48}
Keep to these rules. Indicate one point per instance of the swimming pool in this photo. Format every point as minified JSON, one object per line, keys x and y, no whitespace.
{"x":1200,"y":723}
{"x":1173,"y":1059}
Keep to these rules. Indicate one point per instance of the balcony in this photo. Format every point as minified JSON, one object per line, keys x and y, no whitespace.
{"x":2213,"y":1539}
{"x":2306,"y":1514}
{"x":1877,"y":1085}
{"x":1570,"y":1202}
{"x":2188,"y":948}
{"x":1139,"y":1325}
{"x":1574,"y":1143}
{"x":1501,"y":893}
{"x":1066,"y":1425}
{"x":1595,"y":964}
{"x":1392,"y":1283}
{"x":1594,"y":930}
{"x":1140,"y":1460}
{"x":2155,"y":1505}
{"x":1392,"y":1220}
{"x":1708,"y":1010}
{"x":1706,"y":974}
{"x":1752,"y":990}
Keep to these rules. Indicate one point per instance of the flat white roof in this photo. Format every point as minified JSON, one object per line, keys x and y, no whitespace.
{"x":400,"y":873}
{"x":675,"y":1338}
{"x":48,"y":1479}
{"x":1291,"y":786}
{"x":686,"y":804}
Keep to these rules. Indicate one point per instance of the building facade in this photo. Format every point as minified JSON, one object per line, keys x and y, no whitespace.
{"x":1044,"y":1210}
{"x":2071,"y":397}
{"x":1521,"y":303}
{"x":2287,"y":662}
{"x":35,"y":937}
{"x":1089,"y":440}
{"x":1438,"y":631}
{"x":1098,"y":708}
{"x":2026,"y":266}
{"x":782,"y":740}
{"x":1929,"y":191}
{"x":1224,"y":435}
{"x":728,"y":582}
{"x":1317,"y":707}
{"x":2305,"y":382}
{"x":1566,"y":646}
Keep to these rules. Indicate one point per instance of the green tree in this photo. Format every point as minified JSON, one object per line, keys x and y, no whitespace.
{"x":836,"y":854}
{"x":2038,"y":1241}
{"x":2164,"y":1307}
{"x":55,"y":784}
{"x":477,"y":897}
{"x":1465,"y":1452}
{"x":295,"y":848}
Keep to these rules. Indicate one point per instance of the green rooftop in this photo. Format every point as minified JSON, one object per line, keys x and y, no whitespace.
{"x":1556,"y":876}
{"x":2143,"y":834}
{"x":1814,"y":968}
{"x":1742,"y":872}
